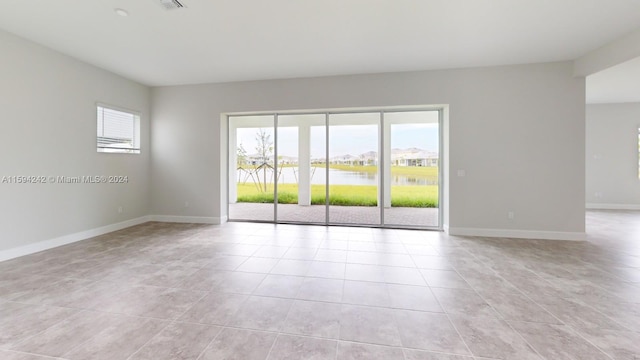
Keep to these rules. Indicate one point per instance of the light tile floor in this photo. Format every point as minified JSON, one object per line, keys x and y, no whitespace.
{"x":261,"y":291}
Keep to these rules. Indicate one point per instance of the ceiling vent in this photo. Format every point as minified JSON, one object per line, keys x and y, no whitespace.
{"x":170,"y":4}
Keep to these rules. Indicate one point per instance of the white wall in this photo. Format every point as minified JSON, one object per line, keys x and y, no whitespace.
{"x":518,"y":131}
{"x":48,"y":128}
{"x":612,"y":156}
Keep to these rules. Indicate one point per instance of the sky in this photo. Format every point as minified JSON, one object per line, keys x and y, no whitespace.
{"x":345,"y":139}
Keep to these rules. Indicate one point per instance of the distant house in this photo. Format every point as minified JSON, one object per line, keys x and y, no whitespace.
{"x":346,"y":160}
{"x":369,"y":158}
{"x":399,"y":157}
{"x":413,"y":157}
{"x":256,"y":159}
{"x":287,"y":160}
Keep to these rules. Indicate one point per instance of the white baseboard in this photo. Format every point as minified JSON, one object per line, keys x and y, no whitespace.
{"x":68,"y":239}
{"x":87,"y":234}
{"x":595,"y":206}
{"x":519,"y":234}
{"x":189,"y":219}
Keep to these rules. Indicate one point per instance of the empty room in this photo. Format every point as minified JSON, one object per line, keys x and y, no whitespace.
{"x":360,"y":179}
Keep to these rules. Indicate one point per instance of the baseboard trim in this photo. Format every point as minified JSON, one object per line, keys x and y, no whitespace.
{"x":595,"y":206}
{"x":84,"y":235}
{"x":68,"y":239}
{"x":188,"y":219}
{"x":519,"y":234}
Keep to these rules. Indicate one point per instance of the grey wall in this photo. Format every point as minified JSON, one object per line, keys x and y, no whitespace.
{"x":517,"y":131}
{"x":612,"y":156}
{"x":48,"y":128}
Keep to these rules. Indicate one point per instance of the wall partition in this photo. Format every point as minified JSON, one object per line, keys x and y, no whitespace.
{"x":378,"y":168}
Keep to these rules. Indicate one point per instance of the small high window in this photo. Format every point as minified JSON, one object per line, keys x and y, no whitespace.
{"x":118,"y":131}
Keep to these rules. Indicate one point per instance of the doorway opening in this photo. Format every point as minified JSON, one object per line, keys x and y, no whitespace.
{"x":376,"y":168}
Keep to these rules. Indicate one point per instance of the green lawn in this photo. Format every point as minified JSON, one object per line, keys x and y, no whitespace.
{"x":343,"y":195}
{"x":353,"y":195}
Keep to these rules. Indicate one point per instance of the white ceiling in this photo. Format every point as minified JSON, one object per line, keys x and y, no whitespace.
{"x":232,"y":40}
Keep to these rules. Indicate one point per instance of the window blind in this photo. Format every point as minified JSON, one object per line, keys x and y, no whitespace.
{"x":117,"y":131}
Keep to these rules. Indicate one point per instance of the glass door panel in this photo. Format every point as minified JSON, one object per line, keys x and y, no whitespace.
{"x":353,"y":168}
{"x":301,"y":174}
{"x":251,"y":168}
{"x":412,"y":169}
{"x":372,"y":168}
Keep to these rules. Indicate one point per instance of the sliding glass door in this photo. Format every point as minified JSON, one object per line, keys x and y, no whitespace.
{"x":251,"y":168}
{"x":411,"y":169}
{"x":302,"y":168}
{"x":353,"y":168}
{"x":374,"y":168}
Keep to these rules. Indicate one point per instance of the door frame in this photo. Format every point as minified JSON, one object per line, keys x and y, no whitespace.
{"x":327,"y":112}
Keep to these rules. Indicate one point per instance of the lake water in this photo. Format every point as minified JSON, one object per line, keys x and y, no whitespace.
{"x":342,"y":177}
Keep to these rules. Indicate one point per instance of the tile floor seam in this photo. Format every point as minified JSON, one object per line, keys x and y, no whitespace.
{"x":436,"y":352}
{"x":272,"y":346}
{"x":499,"y":315}
{"x":100,"y":312}
{"x":339,"y":335}
{"x":575,"y":332}
{"x":82,"y":343}
{"x":149,"y":340}
{"x":376,"y":344}
{"x":301,"y":335}
{"x":175,"y":320}
{"x":44,"y":330}
{"x":343,"y":303}
{"x":34,"y":354}
{"x":122,"y":314}
{"x":515,"y":287}
{"x":404,"y":353}
{"x":519,"y":334}
{"x":458,"y":332}
{"x":573,"y":329}
{"x":204,"y":350}
{"x":451,"y":322}
{"x":579,"y":334}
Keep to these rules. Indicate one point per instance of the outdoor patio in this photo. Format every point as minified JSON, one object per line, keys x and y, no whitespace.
{"x":400,"y":216}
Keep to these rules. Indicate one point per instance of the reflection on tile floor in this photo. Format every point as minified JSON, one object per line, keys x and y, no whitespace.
{"x":262,"y":291}
{"x":316,"y":214}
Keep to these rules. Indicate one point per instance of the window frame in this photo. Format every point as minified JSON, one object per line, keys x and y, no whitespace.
{"x":136,"y":147}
